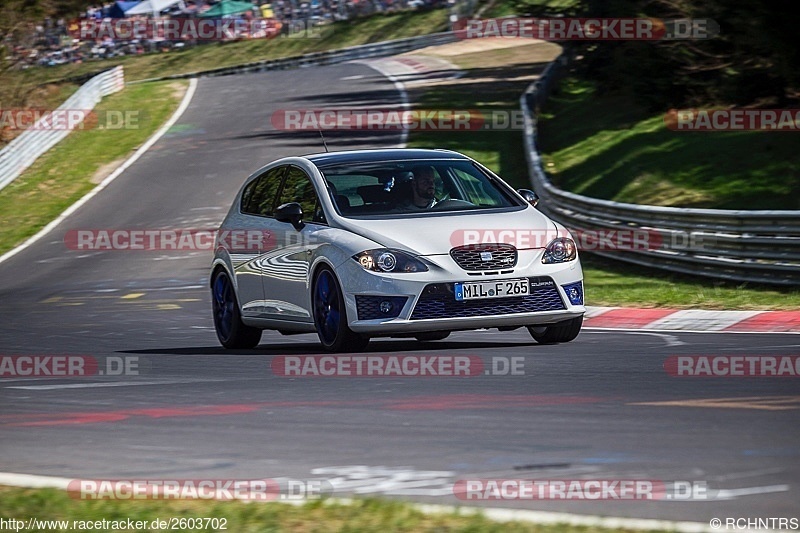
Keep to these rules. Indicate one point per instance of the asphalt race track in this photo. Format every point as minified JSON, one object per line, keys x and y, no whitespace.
{"x":197,"y":411}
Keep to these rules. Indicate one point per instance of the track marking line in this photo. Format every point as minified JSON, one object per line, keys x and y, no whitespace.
{"x":732,"y":494}
{"x":764,"y":403}
{"x":98,"y":385}
{"x":401,"y":88}
{"x":132,"y":296}
{"x":670,"y":340}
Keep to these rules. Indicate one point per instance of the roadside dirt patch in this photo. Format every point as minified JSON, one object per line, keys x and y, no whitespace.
{"x":105,"y":170}
{"x":469,"y":46}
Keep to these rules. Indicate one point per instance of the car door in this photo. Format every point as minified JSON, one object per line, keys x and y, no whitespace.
{"x":286,"y":270}
{"x":257,"y":209}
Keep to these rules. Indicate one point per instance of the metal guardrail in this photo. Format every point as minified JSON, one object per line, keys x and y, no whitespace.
{"x":21,"y":152}
{"x":331,"y":57}
{"x":755,"y":246}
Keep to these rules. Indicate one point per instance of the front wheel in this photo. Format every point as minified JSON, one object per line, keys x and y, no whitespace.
{"x":330,"y":316}
{"x":565,"y":331}
{"x":231,"y":331}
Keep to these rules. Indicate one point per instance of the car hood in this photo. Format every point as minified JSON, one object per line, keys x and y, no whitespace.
{"x":437,"y":235}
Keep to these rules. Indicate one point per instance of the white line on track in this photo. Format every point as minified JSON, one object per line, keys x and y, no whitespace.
{"x":671,"y":340}
{"x":103,"y":184}
{"x":401,"y":88}
{"x":97,"y":385}
{"x":749,"y":473}
{"x":731,"y":494}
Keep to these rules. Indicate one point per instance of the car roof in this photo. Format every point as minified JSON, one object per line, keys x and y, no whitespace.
{"x":367,"y":156}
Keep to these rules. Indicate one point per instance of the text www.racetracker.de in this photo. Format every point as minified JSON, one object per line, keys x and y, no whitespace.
{"x":180,"y":523}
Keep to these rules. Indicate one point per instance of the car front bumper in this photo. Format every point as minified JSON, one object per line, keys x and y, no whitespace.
{"x":430,"y":304}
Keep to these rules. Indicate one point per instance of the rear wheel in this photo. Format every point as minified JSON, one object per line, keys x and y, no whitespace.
{"x":231,"y":331}
{"x":432,"y":336}
{"x":559,"y":332}
{"x":330,"y":316}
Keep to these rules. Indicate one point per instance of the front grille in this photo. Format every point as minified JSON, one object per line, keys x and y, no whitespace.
{"x":438,"y":301}
{"x":369,"y":307}
{"x":469,"y":257}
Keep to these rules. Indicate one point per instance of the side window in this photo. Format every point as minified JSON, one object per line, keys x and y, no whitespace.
{"x":297,"y":187}
{"x":259,"y":196}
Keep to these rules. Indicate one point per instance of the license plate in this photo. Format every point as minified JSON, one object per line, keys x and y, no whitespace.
{"x":492,"y":289}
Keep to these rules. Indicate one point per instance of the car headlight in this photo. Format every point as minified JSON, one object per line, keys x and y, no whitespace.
{"x":560,"y":250}
{"x":384,"y":260}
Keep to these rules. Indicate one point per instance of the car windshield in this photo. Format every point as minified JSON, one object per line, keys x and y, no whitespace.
{"x":416,"y":186}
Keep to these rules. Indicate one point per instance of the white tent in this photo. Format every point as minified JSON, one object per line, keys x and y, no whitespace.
{"x":153,"y":7}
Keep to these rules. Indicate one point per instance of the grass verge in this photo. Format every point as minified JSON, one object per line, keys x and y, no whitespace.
{"x":363,"y":515}
{"x":619,"y":284}
{"x":494,"y":80}
{"x":47,"y":96}
{"x":75,"y":165}
{"x":607,"y":147}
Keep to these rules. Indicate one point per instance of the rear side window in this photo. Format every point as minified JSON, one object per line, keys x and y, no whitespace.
{"x":259,"y":196}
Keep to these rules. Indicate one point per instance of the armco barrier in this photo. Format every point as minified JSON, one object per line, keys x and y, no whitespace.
{"x":756,"y":246}
{"x":20,"y":153}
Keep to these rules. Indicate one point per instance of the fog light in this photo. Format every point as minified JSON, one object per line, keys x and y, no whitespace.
{"x":574,"y":293}
{"x":386,"y":307}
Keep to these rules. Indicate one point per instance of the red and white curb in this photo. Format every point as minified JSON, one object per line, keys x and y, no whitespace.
{"x":414,"y":69}
{"x":692,"y":320}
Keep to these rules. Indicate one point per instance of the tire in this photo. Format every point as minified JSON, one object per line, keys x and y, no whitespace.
{"x":565,"y":331}
{"x":330,"y":315}
{"x":231,"y":331}
{"x":429,"y":336}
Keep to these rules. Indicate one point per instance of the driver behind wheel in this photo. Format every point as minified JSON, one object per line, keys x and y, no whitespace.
{"x":423,"y":189}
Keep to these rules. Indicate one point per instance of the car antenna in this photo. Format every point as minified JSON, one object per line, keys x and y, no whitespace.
{"x":323,"y":139}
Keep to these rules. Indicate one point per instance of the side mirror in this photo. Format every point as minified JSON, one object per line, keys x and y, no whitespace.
{"x":530,"y":196}
{"x":291,"y":213}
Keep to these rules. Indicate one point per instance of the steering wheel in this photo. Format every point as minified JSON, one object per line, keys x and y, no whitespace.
{"x":452,"y":203}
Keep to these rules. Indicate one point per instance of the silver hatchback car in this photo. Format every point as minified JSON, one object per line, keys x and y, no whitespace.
{"x":390,"y":243}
